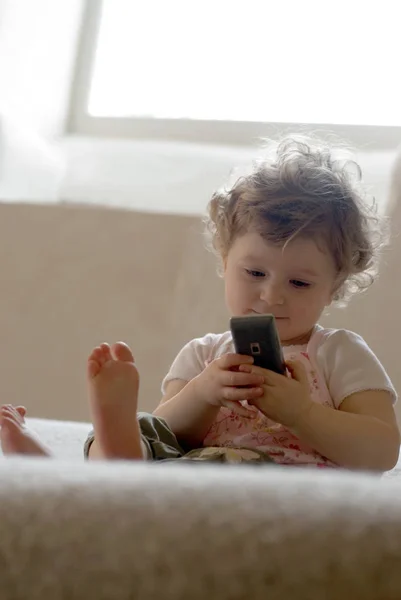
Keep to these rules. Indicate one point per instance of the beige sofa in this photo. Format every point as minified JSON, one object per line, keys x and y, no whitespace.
{"x":73,"y":277}
{"x":69,"y":530}
{"x":75,"y":531}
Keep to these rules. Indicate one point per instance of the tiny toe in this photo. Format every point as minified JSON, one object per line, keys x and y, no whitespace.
{"x":13,"y":414}
{"x":94,"y":353}
{"x":105,"y":353}
{"x":93,"y":368}
{"x":9,"y":423}
{"x":121,"y":351}
{"x":97,"y":355}
{"x":95,"y":362}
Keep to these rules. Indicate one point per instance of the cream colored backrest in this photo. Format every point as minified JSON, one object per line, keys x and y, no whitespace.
{"x":73,"y":277}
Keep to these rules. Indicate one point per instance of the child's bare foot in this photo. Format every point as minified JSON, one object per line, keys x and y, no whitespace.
{"x":15,"y":437}
{"x":113,"y":395}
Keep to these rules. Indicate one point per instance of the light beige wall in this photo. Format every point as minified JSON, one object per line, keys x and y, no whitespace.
{"x":73,"y":277}
{"x":76,"y":276}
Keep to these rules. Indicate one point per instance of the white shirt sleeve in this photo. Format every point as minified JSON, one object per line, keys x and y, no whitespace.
{"x":194,"y":357}
{"x":350,"y":366}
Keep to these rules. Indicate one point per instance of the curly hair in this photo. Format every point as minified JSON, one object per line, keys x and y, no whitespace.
{"x":301,"y":189}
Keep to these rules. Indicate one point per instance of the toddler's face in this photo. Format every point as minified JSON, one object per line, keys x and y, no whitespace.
{"x":294,"y":284}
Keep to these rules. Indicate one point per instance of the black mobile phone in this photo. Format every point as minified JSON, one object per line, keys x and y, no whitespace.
{"x":257,"y":336}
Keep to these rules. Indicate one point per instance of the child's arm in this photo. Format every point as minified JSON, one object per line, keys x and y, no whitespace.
{"x":362,"y":434}
{"x":364,"y":425}
{"x":191,"y":407}
{"x":187,"y":415}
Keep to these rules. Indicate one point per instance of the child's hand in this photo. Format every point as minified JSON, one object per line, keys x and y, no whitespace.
{"x":222,"y":384}
{"x":285,"y":399}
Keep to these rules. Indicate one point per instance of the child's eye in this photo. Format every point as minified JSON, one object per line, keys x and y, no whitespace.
{"x":254,"y":273}
{"x":300,"y":284}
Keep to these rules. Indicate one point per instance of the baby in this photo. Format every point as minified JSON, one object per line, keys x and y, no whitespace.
{"x":292,"y":237}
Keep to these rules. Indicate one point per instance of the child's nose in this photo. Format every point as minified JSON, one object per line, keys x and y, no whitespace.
{"x":272,"y":294}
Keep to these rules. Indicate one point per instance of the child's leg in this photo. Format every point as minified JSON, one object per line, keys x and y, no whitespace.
{"x":158,"y":442}
{"x":15,"y":437}
{"x":113,"y":395}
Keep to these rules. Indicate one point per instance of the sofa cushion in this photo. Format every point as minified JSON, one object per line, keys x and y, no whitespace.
{"x":73,"y":530}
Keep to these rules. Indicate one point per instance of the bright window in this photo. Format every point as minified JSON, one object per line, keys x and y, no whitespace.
{"x":253,"y":60}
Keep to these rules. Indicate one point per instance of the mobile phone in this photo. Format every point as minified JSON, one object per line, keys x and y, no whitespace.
{"x":257,"y":336}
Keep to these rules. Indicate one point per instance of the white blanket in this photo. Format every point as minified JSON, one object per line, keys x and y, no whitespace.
{"x":66,"y":440}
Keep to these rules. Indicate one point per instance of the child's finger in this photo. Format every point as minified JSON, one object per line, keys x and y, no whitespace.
{"x":239,"y":409}
{"x":235,"y":394}
{"x":270,"y":377}
{"x":245,"y":368}
{"x":259,"y":370}
{"x":236,"y":378}
{"x":297,"y":371}
{"x":234,"y":360}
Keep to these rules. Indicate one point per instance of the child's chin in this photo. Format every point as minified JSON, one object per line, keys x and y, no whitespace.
{"x":284,"y":329}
